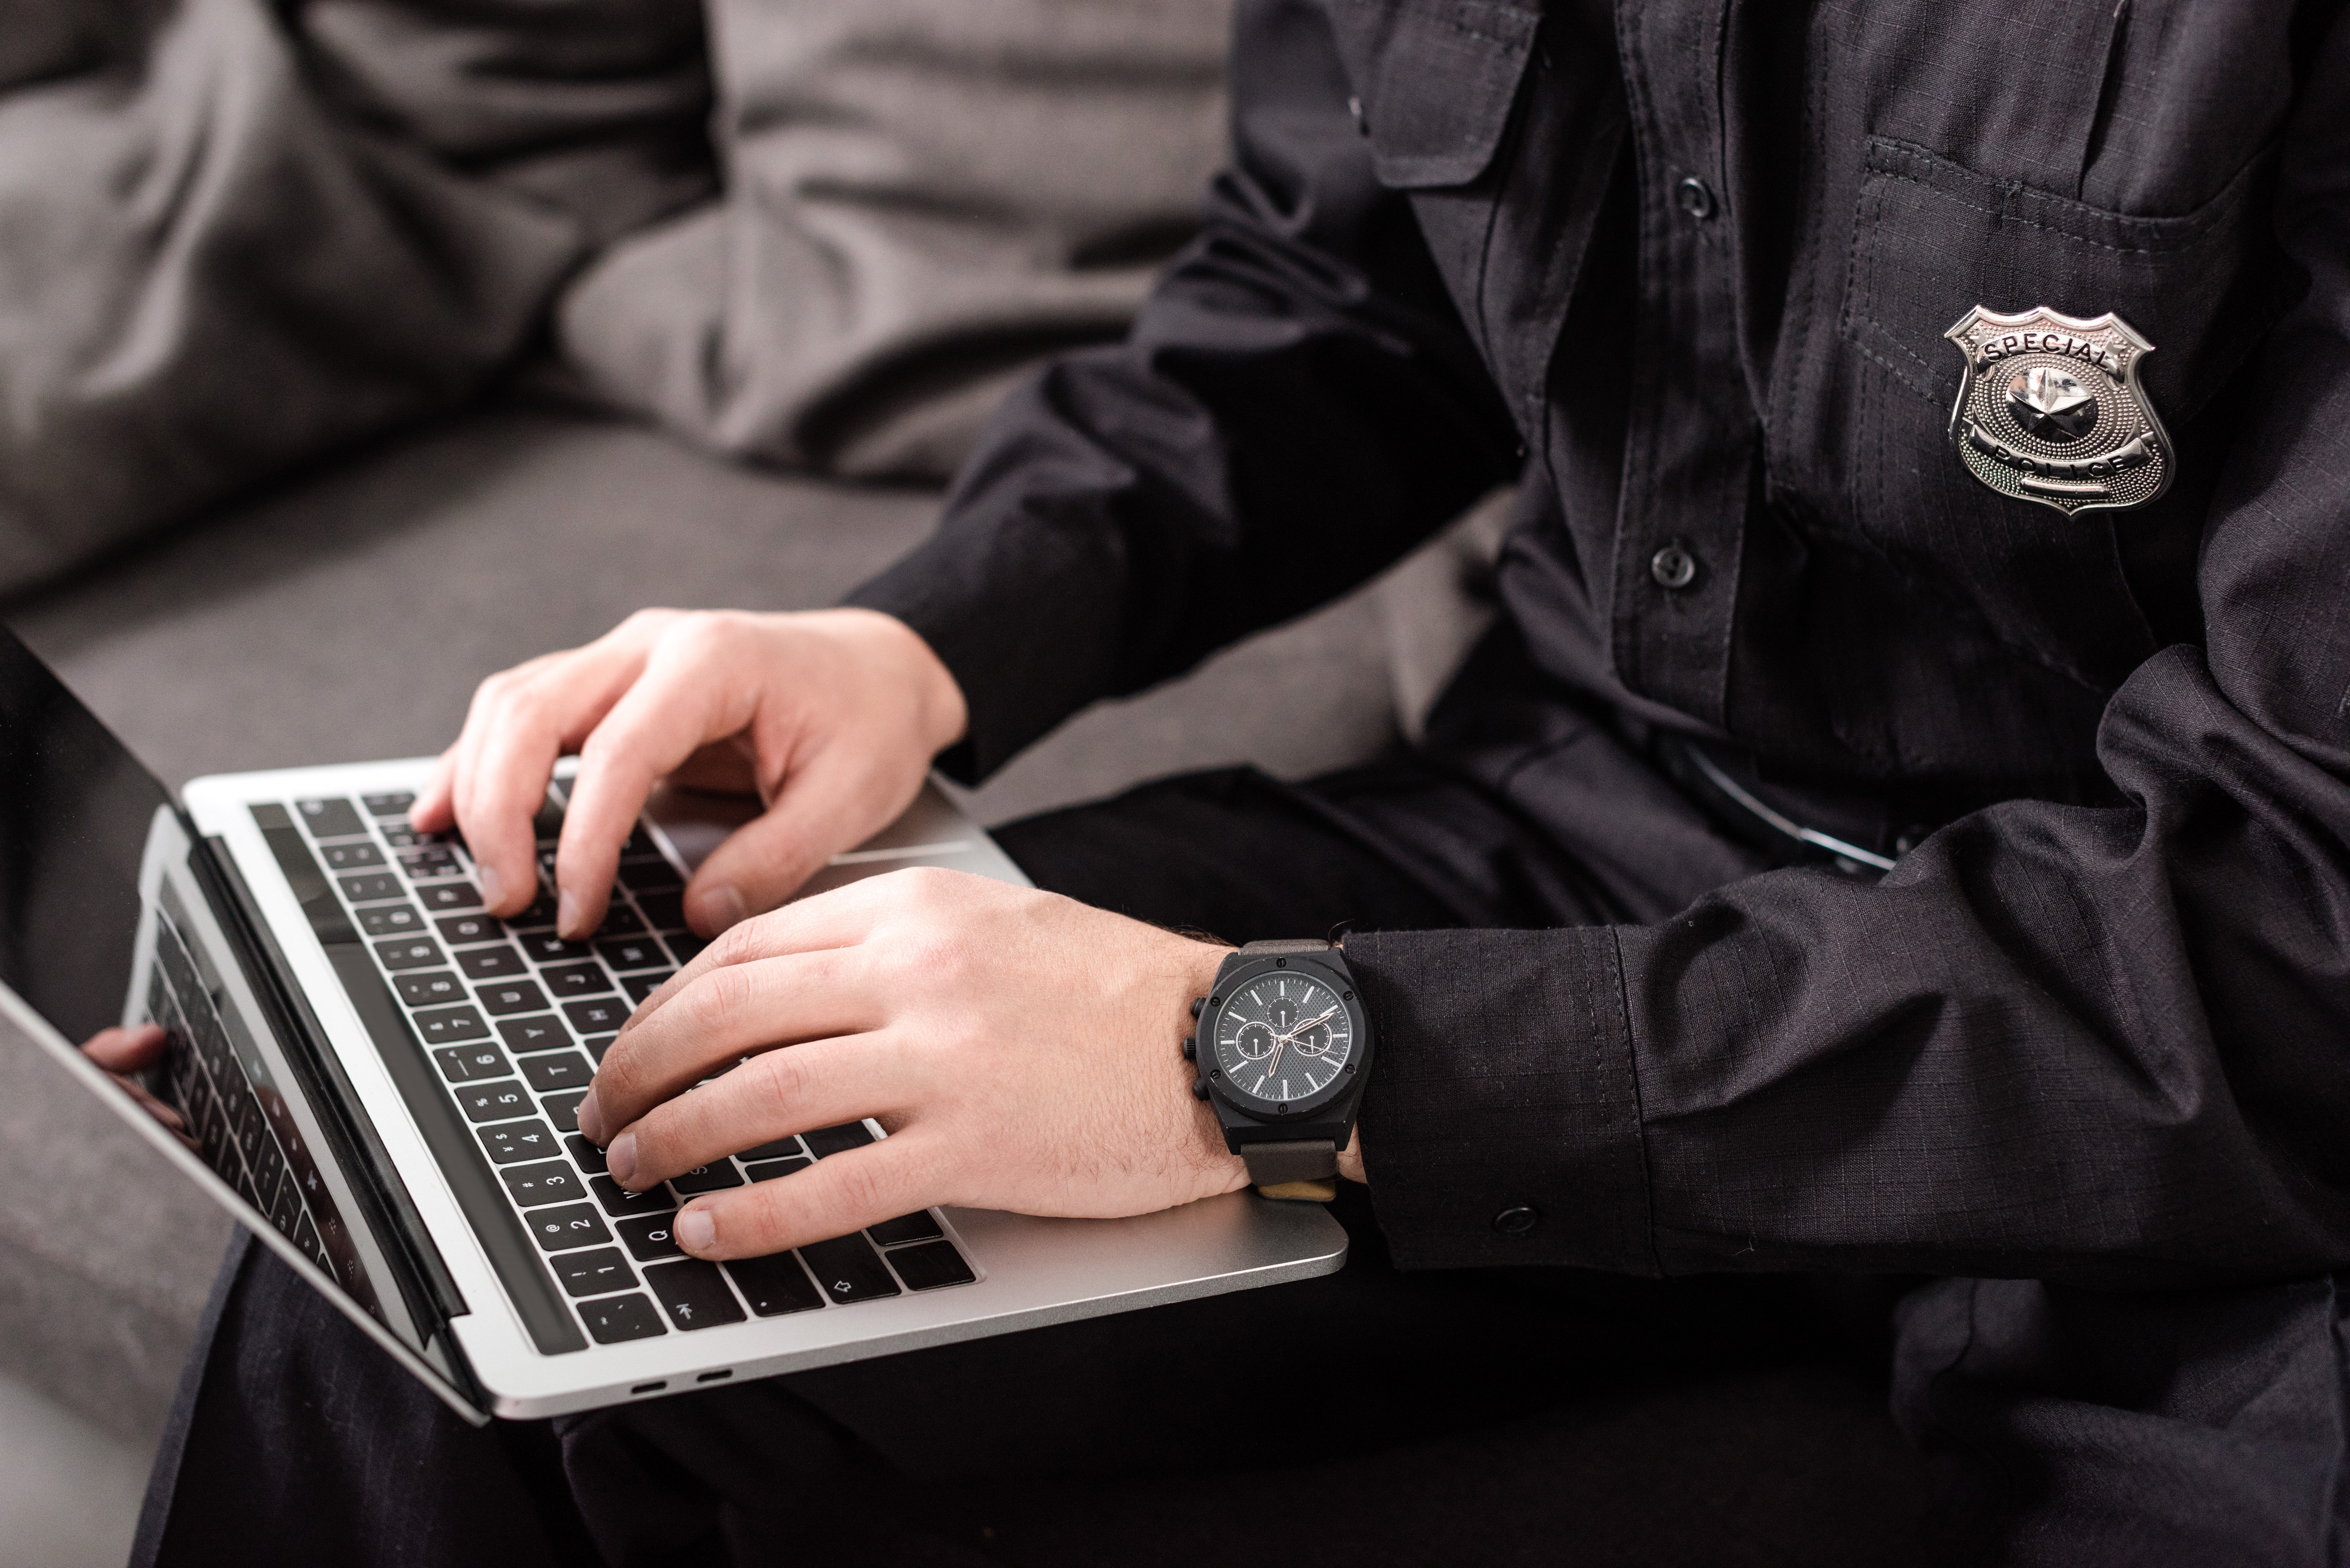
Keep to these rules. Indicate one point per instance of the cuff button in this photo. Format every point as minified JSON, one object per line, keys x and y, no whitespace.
{"x":1517,"y":1219}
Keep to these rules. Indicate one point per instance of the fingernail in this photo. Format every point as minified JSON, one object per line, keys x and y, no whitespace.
{"x":696,"y":1230}
{"x":491,"y":887}
{"x":591,"y":1119}
{"x":621,"y":1158}
{"x":566,"y":915}
{"x":721,"y":907}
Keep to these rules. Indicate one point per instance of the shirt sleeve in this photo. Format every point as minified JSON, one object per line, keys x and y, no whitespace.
{"x":1296,"y":405}
{"x":2103,"y":1043}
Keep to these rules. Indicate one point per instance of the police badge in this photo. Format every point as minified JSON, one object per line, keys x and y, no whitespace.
{"x":2051,"y":411}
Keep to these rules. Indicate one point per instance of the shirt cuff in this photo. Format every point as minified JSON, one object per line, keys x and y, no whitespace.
{"x":1501,"y":1123}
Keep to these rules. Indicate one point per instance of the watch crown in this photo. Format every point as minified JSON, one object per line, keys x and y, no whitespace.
{"x":1199,"y":1088}
{"x":1191,"y":1048}
{"x":1198,"y":1002}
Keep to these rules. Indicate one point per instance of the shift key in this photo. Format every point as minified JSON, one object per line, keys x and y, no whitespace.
{"x":848,"y":1270}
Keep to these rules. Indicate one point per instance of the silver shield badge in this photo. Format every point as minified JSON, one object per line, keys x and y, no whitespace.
{"x":2051,"y":411}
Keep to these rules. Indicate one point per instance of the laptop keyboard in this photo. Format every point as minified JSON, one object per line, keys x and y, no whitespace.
{"x":514,"y":1018}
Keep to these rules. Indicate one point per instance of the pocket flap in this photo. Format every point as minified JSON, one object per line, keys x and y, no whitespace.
{"x":1436,"y":79}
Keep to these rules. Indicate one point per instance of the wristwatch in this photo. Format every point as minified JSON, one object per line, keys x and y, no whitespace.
{"x":1284,"y":1049}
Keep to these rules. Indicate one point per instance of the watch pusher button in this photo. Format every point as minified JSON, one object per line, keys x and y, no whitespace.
{"x":1199,"y":1088}
{"x":1198,"y":1002}
{"x":1191,"y":1047}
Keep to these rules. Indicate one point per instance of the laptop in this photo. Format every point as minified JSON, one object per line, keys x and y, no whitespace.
{"x":381,"y":1082}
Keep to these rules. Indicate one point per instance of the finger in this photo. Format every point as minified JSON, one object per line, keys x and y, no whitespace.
{"x":836,"y":1196}
{"x":163,"y":1113}
{"x":725,"y":1014}
{"x":843,"y":917}
{"x":133,"y":1050}
{"x":833,"y":804}
{"x":434,"y":808}
{"x":821,"y":1083}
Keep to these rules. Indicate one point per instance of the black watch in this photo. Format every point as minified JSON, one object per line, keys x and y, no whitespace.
{"x":1284,"y":1049}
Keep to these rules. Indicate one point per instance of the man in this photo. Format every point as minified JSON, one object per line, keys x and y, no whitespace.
{"x":2072,"y":664}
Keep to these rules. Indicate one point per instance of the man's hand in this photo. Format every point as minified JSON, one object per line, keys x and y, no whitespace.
{"x":122,"y":1052}
{"x":832,"y":716}
{"x":1020,"y":1047}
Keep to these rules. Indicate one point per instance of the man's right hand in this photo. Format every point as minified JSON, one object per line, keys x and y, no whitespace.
{"x":831,"y":716}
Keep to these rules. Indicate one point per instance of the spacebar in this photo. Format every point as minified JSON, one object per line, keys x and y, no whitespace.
{"x":511,"y":1251}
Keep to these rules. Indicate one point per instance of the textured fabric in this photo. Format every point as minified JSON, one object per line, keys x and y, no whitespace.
{"x":2091,"y":1027}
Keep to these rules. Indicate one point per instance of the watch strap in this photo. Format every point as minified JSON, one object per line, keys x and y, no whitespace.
{"x":1279,"y":1164}
{"x":1308,"y":945}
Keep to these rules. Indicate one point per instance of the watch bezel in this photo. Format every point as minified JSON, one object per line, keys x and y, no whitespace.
{"x":1285,"y":1113}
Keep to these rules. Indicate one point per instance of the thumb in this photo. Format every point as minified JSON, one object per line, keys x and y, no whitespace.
{"x":820,"y":811}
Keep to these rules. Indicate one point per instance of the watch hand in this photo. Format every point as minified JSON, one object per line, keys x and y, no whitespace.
{"x":1302,"y":1028}
{"x":1274,"y":1065}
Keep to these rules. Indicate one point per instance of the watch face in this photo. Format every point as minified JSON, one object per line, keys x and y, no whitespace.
{"x":1284,"y":1037}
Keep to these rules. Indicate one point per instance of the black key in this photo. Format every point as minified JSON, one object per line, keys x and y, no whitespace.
{"x":633,"y":953}
{"x":781,"y":1148}
{"x":269,"y":1164}
{"x":774,"y":1285}
{"x":651,"y":877}
{"x":449,"y":1025}
{"x":501,"y":998}
{"x":649,"y":1238}
{"x":286,"y":1208}
{"x":563,"y":1110}
{"x":305,"y":1236}
{"x":622,"y":1204}
{"x":707,"y":1179}
{"x":350,"y":857}
{"x":638,"y":843}
{"x":371,"y":889}
{"x":545,"y":947}
{"x":685,"y":945}
{"x":590,"y":1156}
{"x":448,"y":895}
{"x":472,"y":1063}
{"x":559,"y":1228}
{"x":524,"y":1035}
{"x":641,"y":986}
{"x":458,"y":930}
{"x":617,"y":1318}
{"x":593,"y":1273}
{"x":694,"y":1293}
{"x":493,"y":1102}
{"x":602,"y":1016}
{"x":768,"y":1170}
{"x":547,"y":825}
{"x":848,"y":1269}
{"x":664,"y":912}
{"x":599,"y":1045}
{"x":549,"y":1073}
{"x":919,"y":1227}
{"x":409,"y":838}
{"x":330,"y":818}
{"x":518,"y":1140}
{"x":931,"y":1265}
{"x":492,"y":963}
{"x":415,"y":952}
{"x":836,"y":1140}
{"x":395,"y":804}
{"x":619,"y":920}
{"x":391,"y":920}
{"x":549,"y":1181}
{"x":540,"y":913}
{"x":429,"y":990}
{"x":421,"y":864}
{"x":576,"y":978}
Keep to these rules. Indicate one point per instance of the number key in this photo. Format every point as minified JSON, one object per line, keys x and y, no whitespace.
{"x":576,"y":1225}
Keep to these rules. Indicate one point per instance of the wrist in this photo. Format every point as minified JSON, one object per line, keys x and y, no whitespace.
{"x":1350,"y":1158}
{"x":940,"y":715}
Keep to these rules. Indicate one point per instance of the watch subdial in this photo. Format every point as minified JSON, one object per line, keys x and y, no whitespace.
{"x":1314,"y":1042}
{"x":1254,"y":1041}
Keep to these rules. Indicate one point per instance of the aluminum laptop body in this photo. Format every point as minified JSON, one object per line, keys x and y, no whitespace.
{"x":299,"y":944}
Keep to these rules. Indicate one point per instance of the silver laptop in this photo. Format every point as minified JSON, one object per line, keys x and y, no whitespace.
{"x":381,"y":1081}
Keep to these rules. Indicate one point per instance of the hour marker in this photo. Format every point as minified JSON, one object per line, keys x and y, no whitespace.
{"x":1284,"y":1089}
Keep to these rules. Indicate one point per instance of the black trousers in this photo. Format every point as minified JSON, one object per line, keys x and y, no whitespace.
{"x":1371,"y":1416}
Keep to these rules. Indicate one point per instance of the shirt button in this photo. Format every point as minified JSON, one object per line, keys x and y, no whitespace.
{"x":1354,"y":109}
{"x":1673,"y":567}
{"x":1517,"y":1219}
{"x":1696,"y":198}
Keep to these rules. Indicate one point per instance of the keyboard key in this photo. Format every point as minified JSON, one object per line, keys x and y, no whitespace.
{"x":599,"y":1017}
{"x":694,"y":1293}
{"x":685,"y":945}
{"x":540,"y":913}
{"x":768,"y":1170}
{"x":836,"y":1140}
{"x":664,"y":912}
{"x":641,"y":986}
{"x":493,"y":1102}
{"x":472,"y":1063}
{"x":350,"y":857}
{"x":919,"y":1227}
{"x":563,"y":1110}
{"x":576,"y":980}
{"x":633,"y":953}
{"x":550,"y":1074}
{"x":559,"y":1230}
{"x":848,"y":1269}
{"x":524,"y":1035}
{"x":330,"y":818}
{"x":394,"y":803}
{"x":429,"y":990}
{"x":536,"y":1185}
{"x":931,"y":1266}
{"x":594,"y":1274}
{"x":547,"y":825}
{"x":448,"y":895}
{"x":372,"y":888}
{"x":500,"y":998}
{"x":617,"y":1318}
{"x":707,"y":1179}
{"x":781,"y":1148}
{"x":774,"y":1285}
{"x":286,"y":1208}
{"x":650,"y":876}
{"x":458,"y":930}
{"x":492,"y":963}
{"x":436,"y":861}
{"x":545,"y":947}
{"x":649,"y":1238}
{"x":391,"y":920}
{"x":619,"y":920}
{"x":409,"y":838}
{"x":449,"y":1025}
{"x":590,"y":1156}
{"x":599,"y":1045}
{"x":518,"y":1140}
{"x":415,"y":952}
{"x":622,"y":1204}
